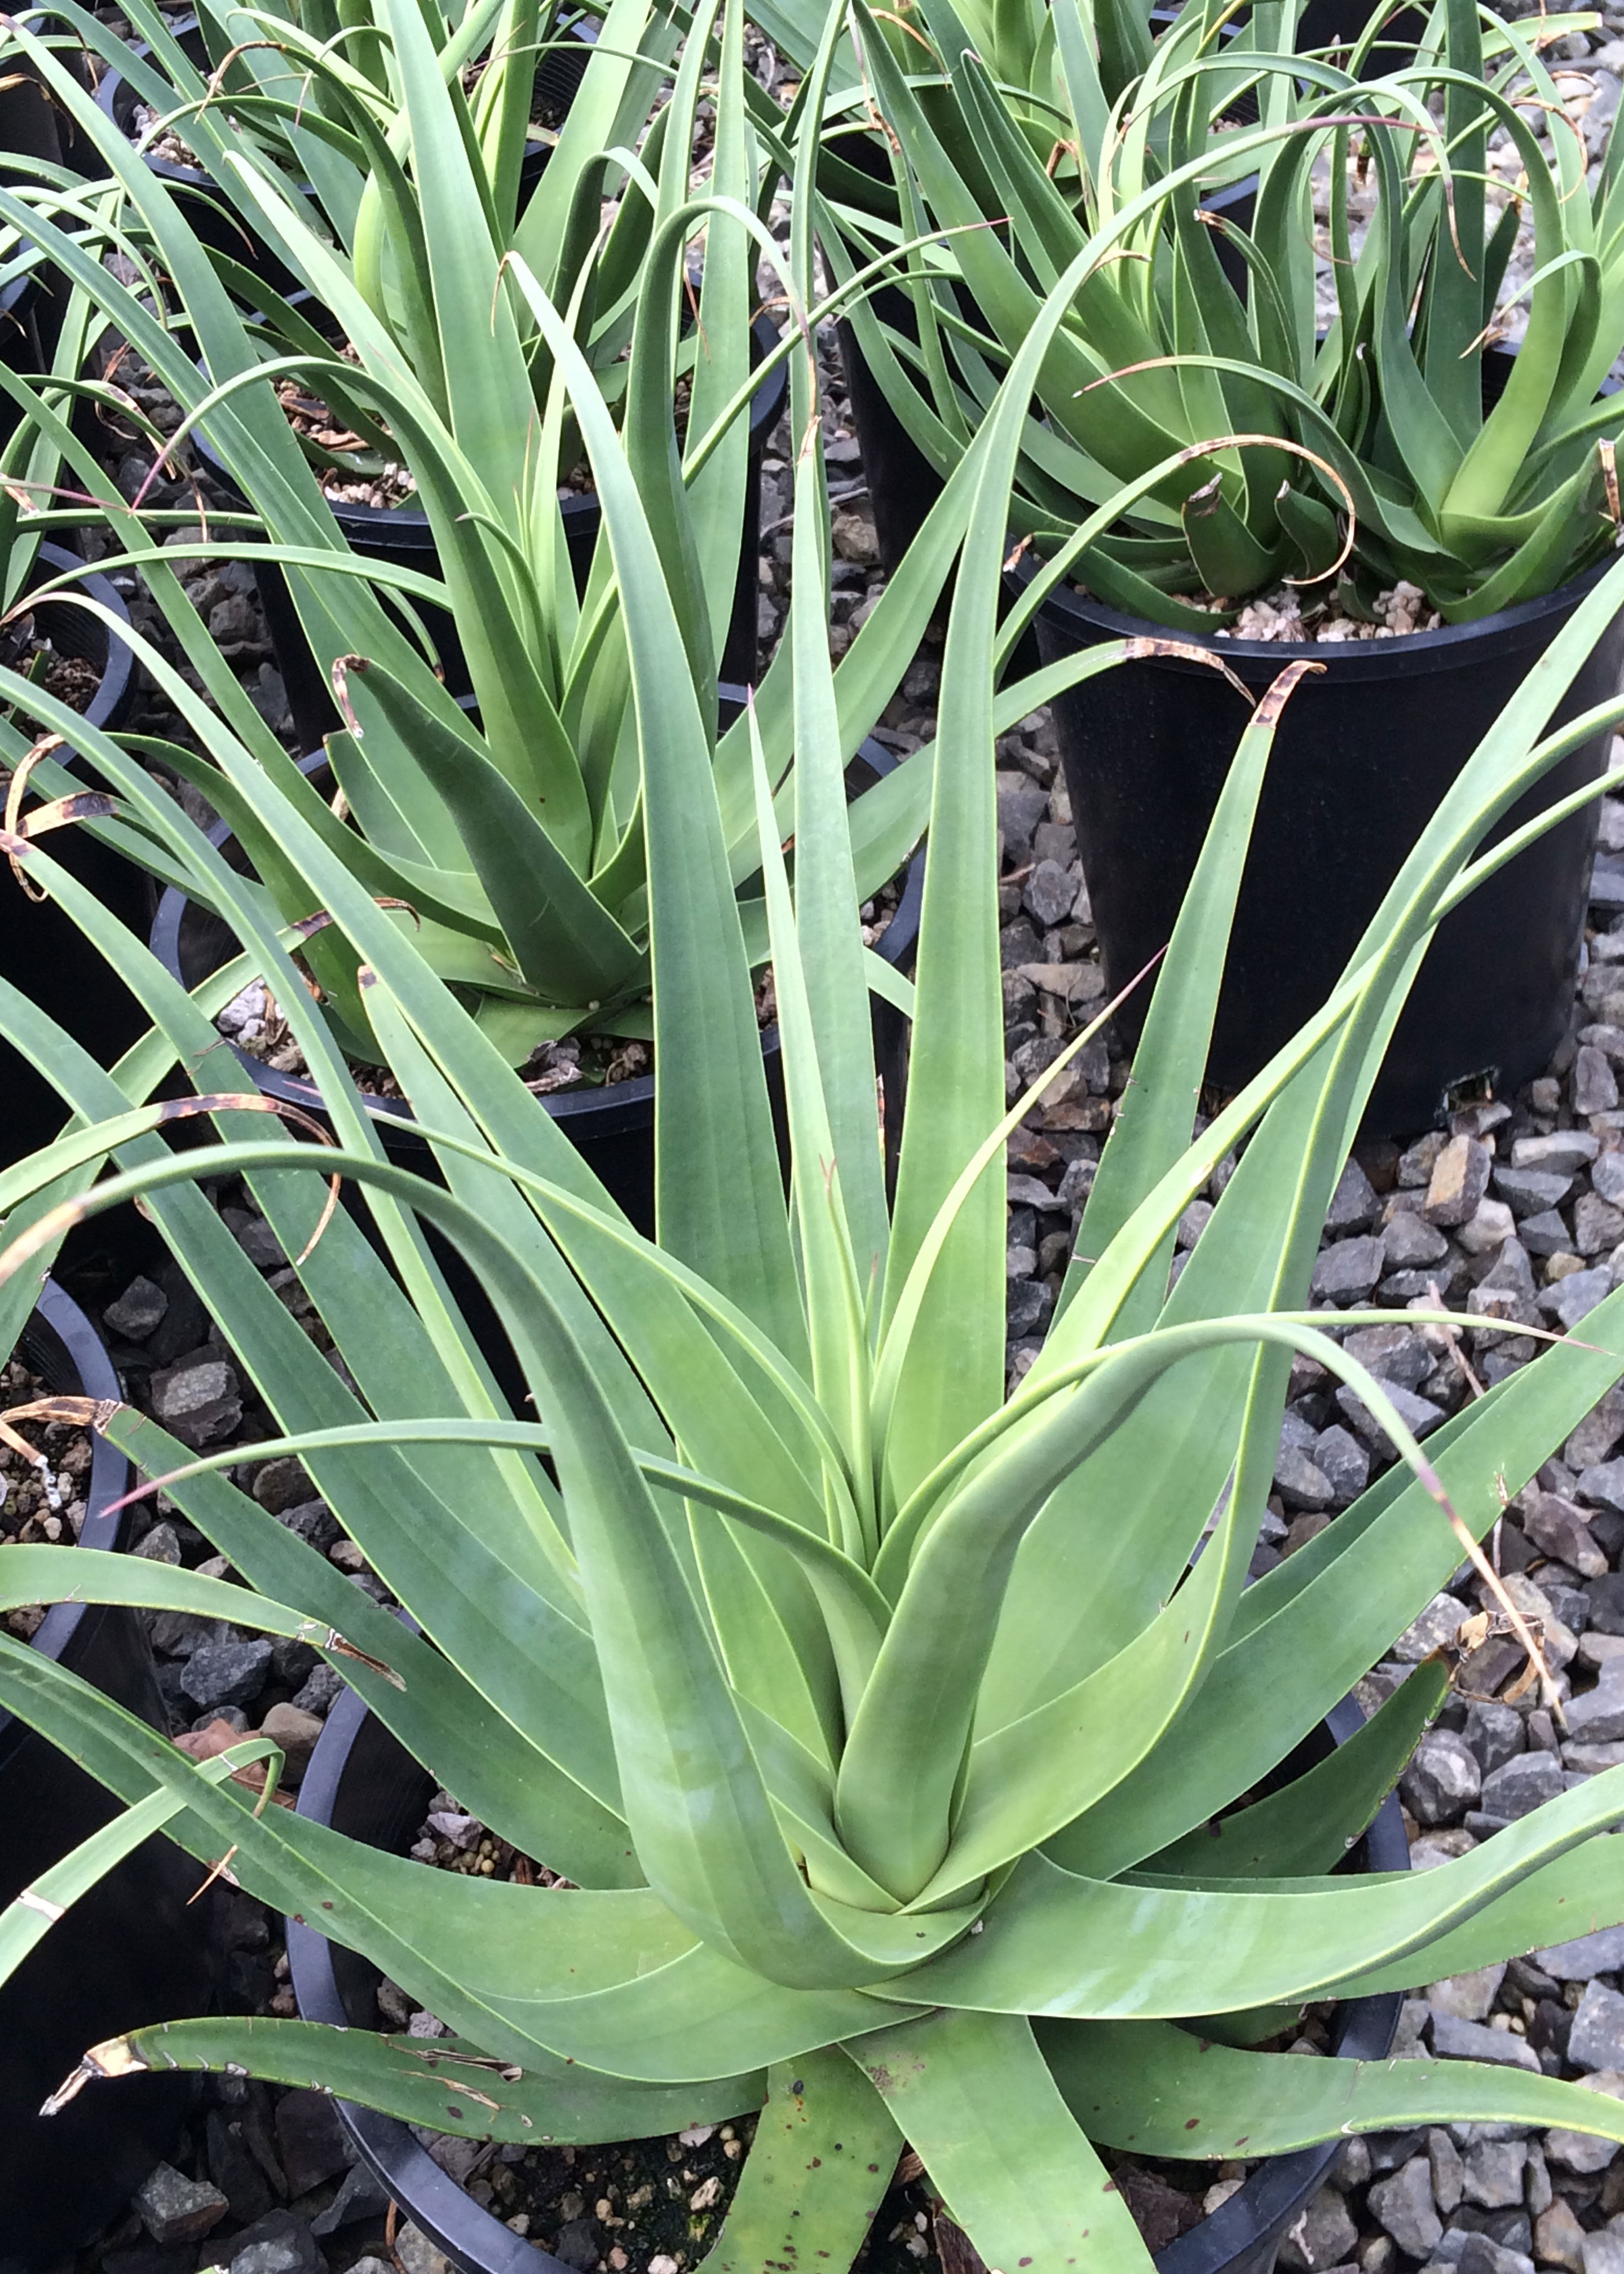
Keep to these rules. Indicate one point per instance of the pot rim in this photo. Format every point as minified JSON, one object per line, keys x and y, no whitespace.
{"x":617,"y":1107}
{"x":62,"y":1347}
{"x":110,"y":88}
{"x":1363,"y":659}
{"x":476,"y":2240}
{"x":118,"y":663}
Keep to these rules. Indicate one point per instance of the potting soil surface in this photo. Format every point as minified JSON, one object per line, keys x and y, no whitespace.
{"x":41,"y":1502}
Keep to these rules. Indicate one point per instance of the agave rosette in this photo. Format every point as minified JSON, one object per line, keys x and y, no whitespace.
{"x":1346,"y":454}
{"x":891,"y":1726}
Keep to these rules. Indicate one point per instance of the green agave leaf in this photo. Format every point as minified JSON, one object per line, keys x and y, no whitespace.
{"x":565,"y":942}
{"x":834,"y":1299}
{"x":974,"y":2097}
{"x":398,"y":1514}
{"x":615,"y":1971}
{"x":1227,"y":557}
{"x":719,"y":1196}
{"x":824,"y":2151}
{"x":1158,"y":2091}
{"x":1152,"y":1130}
{"x":901,"y":1774}
{"x":739,"y":1409}
{"x":509,"y":1775}
{"x":1308,"y":1825}
{"x":716,"y":494}
{"x":1092,"y":1949}
{"x":61,"y":1574}
{"x":699,"y":1812}
{"x":1315,"y":1633}
{"x":1558,"y":1903}
{"x":444,"y":2085}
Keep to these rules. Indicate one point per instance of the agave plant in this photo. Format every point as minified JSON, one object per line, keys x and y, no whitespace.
{"x":1354,"y":450}
{"x":381,"y":140}
{"x":891,"y":1726}
{"x":512,"y":839}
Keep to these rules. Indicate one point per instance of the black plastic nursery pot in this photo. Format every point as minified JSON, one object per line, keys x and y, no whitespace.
{"x":26,"y":308}
{"x":1365,"y":753}
{"x":41,"y":950}
{"x":401,"y":537}
{"x":611,"y":1128}
{"x":213,"y":219}
{"x":131,"y":1952}
{"x":364,"y":1782}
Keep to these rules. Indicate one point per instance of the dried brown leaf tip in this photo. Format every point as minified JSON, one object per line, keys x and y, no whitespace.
{"x":1143,"y":646}
{"x":1281,"y":690}
{"x":77,"y":1412}
{"x":343,"y":665}
{"x":115,"y":2057}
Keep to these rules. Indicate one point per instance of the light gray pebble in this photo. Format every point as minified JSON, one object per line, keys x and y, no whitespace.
{"x":1343,"y":1461}
{"x":1492,"y":1225}
{"x":1587,"y":2152}
{"x":1457,"y":2040}
{"x":1419,"y":1414}
{"x":1443,"y":1779}
{"x":1558,"y":1525}
{"x":1494,"y":1732}
{"x":1494,"y":2172}
{"x":320,"y":1688}
{"x":180,"y":1390}
{"x":1321,"y":2236}
{"x":226,"y":1673}
{"x":1596,"y":1718}
{"x":1354,"y":1205}
{"x":1346,"y":1271}
{"x":1469,"y":1997}
{"x":1410,"y":1243}
{"x":1076,"y":1185}
{"x":1596,"y":1088}
{"x":1448,"y":2176}
{"x":1527,"y":1192}
{"x":173,"y":2208}
{"x":138,"y":1311}
{"x":1599,"y":1431}
{"x":1602,"y":2252}
{"x":1393,"y":1354}
{"x":1597,"y":1224}
{"x":1051,"y":891}
{"x":1521,"y":1785}
{"x":1402,"y":2205}
{"x":1301,"y":1484}
{"x":1435,"y":1629}
{"x":1545,"y":1233}
{"x":1602,"y":1483}
{"x":1573,"y":1297}
{"x":1564,"y":1152}
{"x":1597,"y":2039}
{"x":1602,"y":1952}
